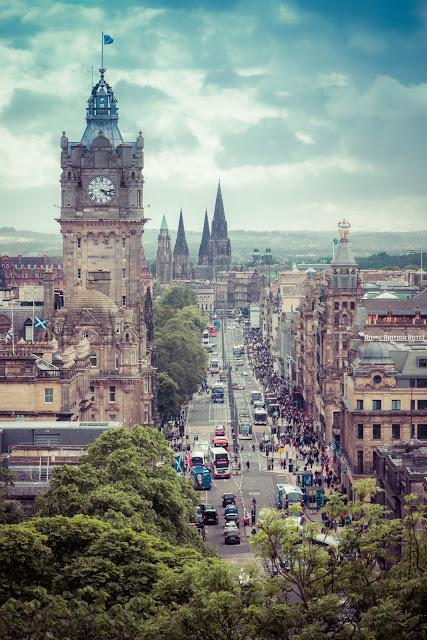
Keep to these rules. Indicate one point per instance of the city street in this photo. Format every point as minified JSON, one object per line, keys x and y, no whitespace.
{"x":256,"y":482}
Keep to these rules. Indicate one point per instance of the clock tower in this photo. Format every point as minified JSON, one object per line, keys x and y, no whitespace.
{"x":102,"y":215}
{"x":102,"y":222}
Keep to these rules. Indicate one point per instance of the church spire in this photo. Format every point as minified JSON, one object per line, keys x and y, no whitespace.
{"x":102,"y":114}
{"x":181,"y":262}
{"x":203,"y":250}
{"x":219,"y":223}
{"x":181,"y":247}
{"x":164,"y":225}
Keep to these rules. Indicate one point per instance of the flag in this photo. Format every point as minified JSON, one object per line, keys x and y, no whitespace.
{"x":9,"y":334}
{"x":336,"y":240}
{"x":39,"y":323}
{"x":108,"y":39}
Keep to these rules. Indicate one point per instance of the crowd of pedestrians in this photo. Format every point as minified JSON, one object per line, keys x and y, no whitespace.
{"x":294,"y":428}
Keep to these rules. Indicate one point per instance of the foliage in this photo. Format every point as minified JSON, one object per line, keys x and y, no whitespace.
{"x":180,"y":358}
{"x":127,"y":480}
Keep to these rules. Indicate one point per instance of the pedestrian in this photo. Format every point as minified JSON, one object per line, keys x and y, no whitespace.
{"x":247,"y":465}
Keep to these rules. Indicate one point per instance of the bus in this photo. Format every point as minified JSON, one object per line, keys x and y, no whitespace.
{"x":201,"y":478}
{"x":219,"y":462}
{"x":205,"y":338}
{"x":214,"y":366}
{"x":260,"y":416}
{"x":198,"y":459}
{"x":245,"y":431}
{"x":218,"y":393}
{"x":287,"y":496}
{"x":256,"y":396}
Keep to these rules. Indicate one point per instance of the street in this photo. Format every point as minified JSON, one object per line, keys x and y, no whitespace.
{"x":256,"y":483}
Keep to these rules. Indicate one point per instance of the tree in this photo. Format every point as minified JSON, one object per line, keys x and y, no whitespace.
{"x":179,"y":297}
{"x":167,"y":396}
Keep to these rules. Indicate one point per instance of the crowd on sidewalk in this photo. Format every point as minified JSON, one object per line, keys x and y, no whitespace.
{"x":294,"y":428}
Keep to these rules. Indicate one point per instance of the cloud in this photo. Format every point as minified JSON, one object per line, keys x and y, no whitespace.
{"x":27,"y":161}
{"x":367,"y":43}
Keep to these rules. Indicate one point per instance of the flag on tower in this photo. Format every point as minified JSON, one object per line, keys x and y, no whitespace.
{"x":108,"y":39}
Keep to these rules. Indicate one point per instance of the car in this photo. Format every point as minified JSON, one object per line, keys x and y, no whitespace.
{"x":220,"y":430}
{"x":228,"y":498}
{"x":230,"y":526}
{"x":266,"y":437}
{"x":210,"y":516}
{"x":232,"y":537}
{"x":237,"y":386}
{"x":203,"y":506}
{"x":231,"y":508}
{"x":232,"y":517}
{"x":239,"y":363}
{"x":245,"y":373}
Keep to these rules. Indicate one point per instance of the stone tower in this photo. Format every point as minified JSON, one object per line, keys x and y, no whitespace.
{"x":219,"y":247}
{"x":343,"y":293}
{"x":102,"y":222}
{"x":164,"y":255}
{"x":204,"y":245}
{"x":181,"y":261}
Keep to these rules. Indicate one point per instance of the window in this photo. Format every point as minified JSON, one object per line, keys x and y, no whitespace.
{"x":360,"y":462}
{"x":87,"y":335}
{"x":79,"y":273}
{"x":395,"y":431}
{"x":112,"y":395}
{"x":48,"y":395}
{"x":93,"y":360}
{"x":123,"y":301}
{"x":351,"y":305}
{"x":421,"y":383}
{"x":412,"y":405}
{"x":336,"y":306}
{"x":79,"y":243}
{"x":376,"y":432}
{"x":422,"y":431}
{"x":116,"y":360}
{"x":344,"y":304}
{"x":422,"y":363}
{"x":123,"y":273}
{"x":376,"y":405}
{"x":395,"y":405}
{"x":359,"y":405}
{"x":422,"y":405}
{"x":112,"y":417}
{"x":124,"y":243}
{"x":92,"y":388}
{"x":138,"y":198}
{"x":360,"y":431}
{"x":377,"y":379}
{"x":146,"y":413}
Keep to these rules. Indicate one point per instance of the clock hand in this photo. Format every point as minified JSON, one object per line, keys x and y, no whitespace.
{"x":108,"y":193}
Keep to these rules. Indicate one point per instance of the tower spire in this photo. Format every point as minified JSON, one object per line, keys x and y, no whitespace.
{"x":102,"y":114}
{"x":181,"y":262}
{"x":204,"y":245}
{"x":219,"y":247}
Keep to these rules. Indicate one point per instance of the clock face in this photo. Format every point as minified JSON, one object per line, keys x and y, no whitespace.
{"x":101,"y":190}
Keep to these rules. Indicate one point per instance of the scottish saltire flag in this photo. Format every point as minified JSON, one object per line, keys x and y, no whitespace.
{"x":108,"y":39}
{"x":9,"y":334}
{"x":336,"y":240}
{"x":40,"y":324}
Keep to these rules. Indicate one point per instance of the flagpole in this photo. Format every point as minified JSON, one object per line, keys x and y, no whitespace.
{"x":333,"y":250}
{"x":32,"y":333}
{"x":102,"y":50}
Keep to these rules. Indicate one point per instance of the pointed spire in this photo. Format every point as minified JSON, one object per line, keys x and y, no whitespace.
{"x":219,"y":223}
{"x":164,"y":225}
{"x":344,"y":254}
{"x":203,"y":250}
{"x":181,"y":247}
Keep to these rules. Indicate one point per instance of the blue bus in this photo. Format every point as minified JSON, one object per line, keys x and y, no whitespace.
{"x":218,"y":393}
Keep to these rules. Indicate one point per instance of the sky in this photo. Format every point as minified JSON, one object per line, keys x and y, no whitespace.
{"x":306,"y":110}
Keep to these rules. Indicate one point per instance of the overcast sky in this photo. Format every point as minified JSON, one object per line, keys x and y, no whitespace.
{"x":307,"y":110}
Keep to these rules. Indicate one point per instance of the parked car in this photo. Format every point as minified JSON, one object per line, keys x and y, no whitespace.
{"x":232,"y":517}
{"x":230,"y":526}
{"x":210,"y":516}
{"x":203,"y":506}
{"x":231,"y":508}
{"x":232,"y":537}
{"x":228,"y":498}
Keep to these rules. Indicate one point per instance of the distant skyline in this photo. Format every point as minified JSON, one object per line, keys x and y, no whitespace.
{"x":308,"y":111}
